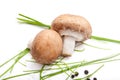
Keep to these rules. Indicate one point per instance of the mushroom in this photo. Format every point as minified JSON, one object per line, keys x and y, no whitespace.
{"x":72,"y":28}
{"x":46,"y":46}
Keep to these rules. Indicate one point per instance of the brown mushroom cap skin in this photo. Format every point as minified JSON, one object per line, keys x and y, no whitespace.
{"x":72,"y":22}
{"x":46,"y":47}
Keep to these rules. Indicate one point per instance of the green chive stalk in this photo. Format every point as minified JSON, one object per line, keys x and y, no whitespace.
{"x":29,"y":20}
{"x":95,"y":46}
{"x":32,"y":21}
{"x":41,"y":72}
{"x":75,"y":65}
{"x":61,"y":69}
{"x":17,"y":58}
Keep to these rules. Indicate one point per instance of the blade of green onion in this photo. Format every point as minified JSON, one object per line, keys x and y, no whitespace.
{"x":21,"y":54}
{"x":32,"y":21}
{"x":77,"y":65}
{"x":105,"y":39}
{"x":96,"y":46}
{"x":48,"y":26}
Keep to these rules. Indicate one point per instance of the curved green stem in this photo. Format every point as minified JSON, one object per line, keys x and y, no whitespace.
{"x":32,"y":21}
{"x":88,"y":76}
{"x":42,"y":69}
{"x":38,"y":23}
{"x":21,"y":54}
{"x":96,"y":46}
{"x":105,"y":39}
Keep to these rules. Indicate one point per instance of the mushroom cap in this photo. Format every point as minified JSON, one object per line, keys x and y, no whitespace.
{"x":46,"y":47}
{"x":74,"y":23}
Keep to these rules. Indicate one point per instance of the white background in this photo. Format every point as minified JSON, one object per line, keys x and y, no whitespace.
{"x":103,"y":15}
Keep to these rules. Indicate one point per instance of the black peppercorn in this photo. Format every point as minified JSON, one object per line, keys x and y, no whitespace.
{"x":88,"y":79}
{"x":76,"y":73}
{"x":94,"y":78}
{"x":86,"y":72}
{"x":72,"y":76}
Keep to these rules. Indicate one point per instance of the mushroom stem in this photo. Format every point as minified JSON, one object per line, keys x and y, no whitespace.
{"x":68,"y":45}
{"x":29,"y":45}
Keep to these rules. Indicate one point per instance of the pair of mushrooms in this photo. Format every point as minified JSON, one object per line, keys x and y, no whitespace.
{"x":65,"y":31}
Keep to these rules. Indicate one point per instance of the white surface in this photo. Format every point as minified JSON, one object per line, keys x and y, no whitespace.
{"x":104,"y":16}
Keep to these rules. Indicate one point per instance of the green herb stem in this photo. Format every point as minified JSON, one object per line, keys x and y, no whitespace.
{"x":32,"y":21}
{"x":22,"y":63}
{"x":97,"y":61}
{"x":68,"y":67}
{"x":42,"y":69}
{"x":62,"y":69}
{"x":105,"y":58}
{"x":88,"y":76}
{"x":71,"y":66}
{"x":21,"y":54}
{"x":106,"y":61}
{"x":48,"y":26}
{"x":28,"y":17}
{"x":71,"y":63}
{"x":80,"y":65}
{"x":77,"y":65}
{"x":95,"y":46}
{"x":19,"y":75}
{"x":105,"y":39}
{"x":79,"y":50}
{"x":9,"y":60}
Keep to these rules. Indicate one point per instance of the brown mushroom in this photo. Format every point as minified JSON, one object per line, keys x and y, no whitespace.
{"x":46,"y":47}
{"x":73,"y":28}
